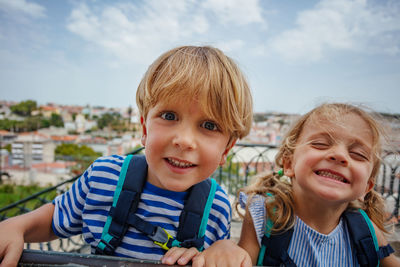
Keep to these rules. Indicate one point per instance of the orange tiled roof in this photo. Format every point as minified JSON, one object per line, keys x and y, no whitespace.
{"x":64,"y":138}
{"x":52,"y":165}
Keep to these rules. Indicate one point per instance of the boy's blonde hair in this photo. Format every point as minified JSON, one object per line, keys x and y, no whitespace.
{"x":199,"y":73}
{"x":280,"y":206}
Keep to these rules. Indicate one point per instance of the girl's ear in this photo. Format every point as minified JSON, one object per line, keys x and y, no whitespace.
{"x":144,"y":131}
{"x":287,"y":167}
{"x":226,"y":151}
{"x":370,"y":185}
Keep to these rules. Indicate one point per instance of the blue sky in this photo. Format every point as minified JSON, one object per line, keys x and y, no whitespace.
{"x":295,"y":54}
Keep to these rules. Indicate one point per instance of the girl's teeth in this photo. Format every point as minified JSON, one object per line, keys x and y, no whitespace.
{"x":332,"y":176}
{"x":179,"y":163}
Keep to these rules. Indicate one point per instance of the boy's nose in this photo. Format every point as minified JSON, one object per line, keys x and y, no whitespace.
{"x":184,"y":138}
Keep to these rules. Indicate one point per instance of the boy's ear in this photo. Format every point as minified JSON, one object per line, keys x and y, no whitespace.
{"x":144,"y":131}
{"x":226,"y":151}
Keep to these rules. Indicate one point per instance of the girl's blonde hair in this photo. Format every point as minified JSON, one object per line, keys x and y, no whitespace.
{"x":279,"y":200}
{"x":206,"y":74}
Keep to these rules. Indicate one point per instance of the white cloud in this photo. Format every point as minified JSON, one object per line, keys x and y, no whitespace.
{"x":126,"y":29}
{"x":341,"y":25}
{"x":135,"y":32}
{"x":240,"y":12}
{"x":230,"y":46}
{"x":22,"y":6}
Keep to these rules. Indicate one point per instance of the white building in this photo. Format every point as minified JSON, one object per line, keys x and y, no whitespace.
{"x":31,"y":148}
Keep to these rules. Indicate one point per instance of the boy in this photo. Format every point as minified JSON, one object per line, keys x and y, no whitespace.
{"x":194,"y":104}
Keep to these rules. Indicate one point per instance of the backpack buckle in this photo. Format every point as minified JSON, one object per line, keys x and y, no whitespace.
{"x":162,"y":238}
{"x":104,"y":248}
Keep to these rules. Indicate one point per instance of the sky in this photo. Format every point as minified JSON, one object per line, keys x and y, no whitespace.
{"x":295,"y":54}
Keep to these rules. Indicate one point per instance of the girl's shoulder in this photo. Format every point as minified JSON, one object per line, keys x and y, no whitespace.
{"x":254,"y":201}
{"x":255,"y":205}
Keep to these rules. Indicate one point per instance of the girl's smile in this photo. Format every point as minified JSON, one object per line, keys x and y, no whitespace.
{"x":332,"y":175}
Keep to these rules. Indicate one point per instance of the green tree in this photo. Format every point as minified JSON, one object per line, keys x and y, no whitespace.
{"x":258,"y":117}
{"x":112,"y":120}
{"x":7,"y":124}
{"x":75,"y":151}
{"x":56,"y":120}
{"x":7,"y":147}
{"x":82,"y":154}
{"x":24,"y":108}
{"x":32,"y":124}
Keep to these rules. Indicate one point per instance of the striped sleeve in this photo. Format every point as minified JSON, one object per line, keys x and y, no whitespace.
{"x":67,"y":216}
{"x":256,"y":207}
{"x":84,"y":196}
{"x":219,"y":221}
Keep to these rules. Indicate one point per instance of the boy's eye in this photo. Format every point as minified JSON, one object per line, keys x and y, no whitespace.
{"x":209,"y":125}
{"x":169,"y":116}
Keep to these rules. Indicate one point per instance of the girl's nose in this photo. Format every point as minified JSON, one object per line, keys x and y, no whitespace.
{"x":339,"y":156}
{"x":185,"y":138}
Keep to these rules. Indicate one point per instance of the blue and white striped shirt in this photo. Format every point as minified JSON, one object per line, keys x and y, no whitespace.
{"x":84,"y":209}
{"x":307,"y":246}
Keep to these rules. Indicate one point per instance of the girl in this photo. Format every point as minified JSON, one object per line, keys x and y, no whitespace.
{"x":330,"y":160}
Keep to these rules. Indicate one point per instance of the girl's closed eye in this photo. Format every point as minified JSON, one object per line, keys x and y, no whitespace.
{"x":169,"y":116}
{"x":320,"y":144}
{"x":209,"y":125}
{"x":359,"y":155}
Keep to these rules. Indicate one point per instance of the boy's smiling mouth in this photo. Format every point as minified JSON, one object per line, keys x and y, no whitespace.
{"x":332,"y":175}
{"x":178,"y":163}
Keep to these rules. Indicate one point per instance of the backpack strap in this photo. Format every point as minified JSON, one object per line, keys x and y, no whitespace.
{"x":363,"y":237}
{"x":192,"y":222}
{"x":273,"y":251}
{"x":125,"y":201}
{"x":194,"y":216}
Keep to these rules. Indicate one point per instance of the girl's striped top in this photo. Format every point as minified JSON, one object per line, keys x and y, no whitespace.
{"x":84,"y":209}
{"x":307,"y":246}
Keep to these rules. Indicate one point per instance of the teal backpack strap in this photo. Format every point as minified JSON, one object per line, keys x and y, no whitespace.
{"x":363,"y":237}
{"x":207,"y":209}
{"x":371,"y":229}
{"x":268,"y":226}
{"x":273,"y":251}
{"x":383,"y":251}
{"x":194,"y":217}
{"x":105,"y":236}
{"x":261,"y":255}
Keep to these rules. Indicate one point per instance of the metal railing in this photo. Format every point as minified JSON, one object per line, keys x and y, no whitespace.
{"x":52,"y":258}
{"x":243,"y":162}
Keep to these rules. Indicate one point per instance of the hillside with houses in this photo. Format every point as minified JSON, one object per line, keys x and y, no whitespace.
{"x":46,"y":144}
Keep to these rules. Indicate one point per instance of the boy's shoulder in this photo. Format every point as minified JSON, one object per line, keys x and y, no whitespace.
{"x":104,"y":163}
{"x":112,"y":159}
{"x":222,"y":200}
{"x":105,"y":167}
{"x":221,"y":192}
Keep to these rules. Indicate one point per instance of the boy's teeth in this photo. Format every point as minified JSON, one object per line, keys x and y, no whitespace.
{"x":331,"y":176}
{"x":179,"y":163}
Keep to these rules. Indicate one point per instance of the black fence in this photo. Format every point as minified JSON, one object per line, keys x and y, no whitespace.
{"x":243,"y":162}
